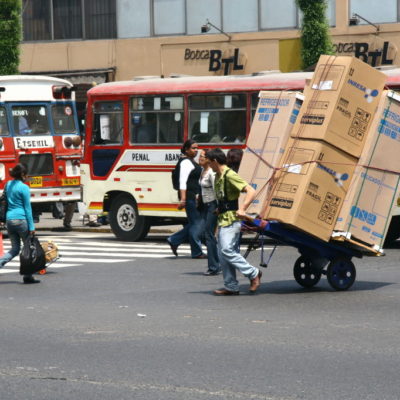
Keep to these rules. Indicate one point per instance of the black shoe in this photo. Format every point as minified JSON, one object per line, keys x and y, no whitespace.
{"x":67,"y":227}
{"x":30,"y":279}
{"x":209,"y":272}
{"x":173,"y":248}
{"x":93,"y":224}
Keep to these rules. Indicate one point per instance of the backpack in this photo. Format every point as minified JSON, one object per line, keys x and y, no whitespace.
{"x":176,"y":172}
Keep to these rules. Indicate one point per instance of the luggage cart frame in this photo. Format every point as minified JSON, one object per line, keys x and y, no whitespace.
{"x":317,"y":257}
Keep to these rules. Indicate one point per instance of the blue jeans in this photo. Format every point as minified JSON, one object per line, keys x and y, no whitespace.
{"x":191,"y":232}
{"x":17,"y":230}
{"x":209,"y":223}
{"x":230,"y":259}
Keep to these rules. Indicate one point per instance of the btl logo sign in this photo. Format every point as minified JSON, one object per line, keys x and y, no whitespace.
{"x":217,"y":62}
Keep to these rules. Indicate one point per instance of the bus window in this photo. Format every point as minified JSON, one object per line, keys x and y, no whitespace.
{"x":30,"y":120}
{"x":217,"y":118}
{"x":108,"y":125}
{"x":63,"y":119}
{"x":156,"y":119}
{"x":3,"y":122}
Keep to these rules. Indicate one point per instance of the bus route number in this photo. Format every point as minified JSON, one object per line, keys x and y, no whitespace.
{"x":36,"y":181}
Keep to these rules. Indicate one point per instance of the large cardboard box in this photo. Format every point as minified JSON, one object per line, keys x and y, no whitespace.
{"x":340,"y":103}
{"x":270,"y":131}
{"x":366,"y":212}
{"x":310,"y":187}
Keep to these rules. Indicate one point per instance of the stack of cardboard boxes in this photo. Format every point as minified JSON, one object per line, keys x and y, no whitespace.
{"x":366,"y":212}
{"x":339,"y":170}
{"x":269,"y":134}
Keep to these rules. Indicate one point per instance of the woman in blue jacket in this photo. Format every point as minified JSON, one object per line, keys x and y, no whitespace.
{"x":19,"y":220}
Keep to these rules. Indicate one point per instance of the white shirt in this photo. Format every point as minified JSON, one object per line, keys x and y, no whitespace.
{"x":186,"y":167}
{"x":207,"y":186}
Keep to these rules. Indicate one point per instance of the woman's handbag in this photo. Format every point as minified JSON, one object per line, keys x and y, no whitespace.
{"x":32,"y":257}
{"x":3,"y":205}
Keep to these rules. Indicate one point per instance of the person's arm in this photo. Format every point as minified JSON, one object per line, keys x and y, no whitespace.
{"x":250,"y":195}
{"x":26,"y":201}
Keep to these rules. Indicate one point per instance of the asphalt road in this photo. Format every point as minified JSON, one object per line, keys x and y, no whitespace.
{"x":115,"y":322}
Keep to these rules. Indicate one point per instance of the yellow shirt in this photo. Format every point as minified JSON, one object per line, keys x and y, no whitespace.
{"x":234,"y":185}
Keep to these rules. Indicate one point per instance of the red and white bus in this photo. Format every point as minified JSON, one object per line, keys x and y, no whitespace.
{"x":134,"y":131}
{"x":39,"y":127}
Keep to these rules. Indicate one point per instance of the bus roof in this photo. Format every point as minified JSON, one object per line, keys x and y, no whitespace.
{"x":193,"y":84}
{"x":29,"y":87}
{"x":26,"y":79}
{"x":232,"y":83}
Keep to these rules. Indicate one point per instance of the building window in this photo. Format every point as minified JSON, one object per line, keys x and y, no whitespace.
{"x":169,"y":17}
{"x":274,"y":15}
{"x":36,"y":20}
{"x":100,"y":21}
{"x":137,"y":11}
{"x":67,"y":19}
{"x":240,"y":15}
{"x":199,"y":11}
{"x":375,"y":11}
{"x":64,"y":20}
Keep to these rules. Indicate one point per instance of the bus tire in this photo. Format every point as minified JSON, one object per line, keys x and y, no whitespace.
{"x":125,"y":221}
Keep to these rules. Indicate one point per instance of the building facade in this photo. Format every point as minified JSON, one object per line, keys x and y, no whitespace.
{"x":94,"y":41}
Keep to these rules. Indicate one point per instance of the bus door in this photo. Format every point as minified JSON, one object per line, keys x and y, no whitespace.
{"x":107,"y":136}
{"x":7,"y":149}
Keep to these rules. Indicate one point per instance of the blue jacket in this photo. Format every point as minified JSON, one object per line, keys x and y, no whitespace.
{"x":19,"y":202}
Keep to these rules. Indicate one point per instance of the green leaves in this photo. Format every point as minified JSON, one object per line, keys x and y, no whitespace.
{"x":315,"y":38}
{"x":10,"y":36}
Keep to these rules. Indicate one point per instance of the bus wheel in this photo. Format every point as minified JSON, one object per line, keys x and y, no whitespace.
{"x":125,"y":221}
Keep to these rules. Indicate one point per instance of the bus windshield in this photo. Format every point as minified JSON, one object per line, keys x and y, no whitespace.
{"x":30,"y":120}
{"x":34,"y":119}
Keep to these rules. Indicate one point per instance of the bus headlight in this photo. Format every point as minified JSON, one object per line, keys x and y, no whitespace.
{"x":68,"y":141}
{"x":76,"y":141}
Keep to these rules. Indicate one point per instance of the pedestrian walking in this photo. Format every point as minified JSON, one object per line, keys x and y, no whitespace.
{"x":19,"y":220}
{"x":228,"y":186}
{"x":189,"y":190}
{"x":208,"y":207}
